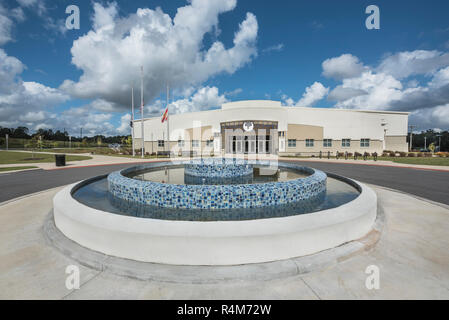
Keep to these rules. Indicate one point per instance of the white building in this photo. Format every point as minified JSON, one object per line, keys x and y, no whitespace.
{"x":264,"y":126}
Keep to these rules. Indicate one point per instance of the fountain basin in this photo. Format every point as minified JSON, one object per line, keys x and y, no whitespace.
{"x":217,"y":196}
{"x":215,"y":242}
{"x":218,"y":168}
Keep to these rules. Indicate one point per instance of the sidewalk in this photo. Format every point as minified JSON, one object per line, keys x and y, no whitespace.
{"x":97,"y":160}
{"x":381,"y":163}
{"x":411,"y":255}
{"x":102,"y":160}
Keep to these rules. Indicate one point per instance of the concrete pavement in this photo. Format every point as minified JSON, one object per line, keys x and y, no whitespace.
{"x":411,"y":255}
{"x":429,"y":184}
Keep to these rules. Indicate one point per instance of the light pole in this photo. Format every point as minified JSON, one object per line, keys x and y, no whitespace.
{"x":425,"y":142}
{"x":132,"y":121}
{"x":384,"y":125}
{"x":411,"y":136}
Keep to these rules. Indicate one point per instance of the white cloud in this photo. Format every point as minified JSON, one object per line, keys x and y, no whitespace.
{"x":381,"y":88}
{"x":170,"y":50}
{"x":440,"y":78}
{"x":33,"y":116}
{"x":5,"y":26}
{"x":276,"y":48}
{"x":21,"y":100}
{"x":312,"y":95}
{"x":204,"y":98}
{"x":124,"y":127}
{"x":37,"y":5}
{"x":431,"y":117}
{"x":404,"y":64}
{"x":342,"y":67}
{"x":340,"y":93}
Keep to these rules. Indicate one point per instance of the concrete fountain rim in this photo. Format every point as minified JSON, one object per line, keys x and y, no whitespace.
{"x":197,"y":242}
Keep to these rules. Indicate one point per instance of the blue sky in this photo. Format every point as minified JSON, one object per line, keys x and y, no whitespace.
{"x":304,"y":53}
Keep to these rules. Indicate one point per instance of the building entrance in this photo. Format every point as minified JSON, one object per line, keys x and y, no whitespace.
{"x":249,"y":137}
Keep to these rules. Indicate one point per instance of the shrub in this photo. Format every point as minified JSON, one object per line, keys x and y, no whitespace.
{"x":392,"y":154}
{"x":350,"y":154}
{"x":411,"y":155}
{"x":427,"y":154}
{"x":420,"y":154}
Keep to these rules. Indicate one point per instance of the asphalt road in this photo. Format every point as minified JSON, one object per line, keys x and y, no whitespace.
{"x":432,"y":185}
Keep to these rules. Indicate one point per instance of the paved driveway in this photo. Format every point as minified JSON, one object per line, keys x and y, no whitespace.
{"x":432,"y":185}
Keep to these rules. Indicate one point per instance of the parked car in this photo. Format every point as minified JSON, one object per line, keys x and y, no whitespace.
{"x":114,"y":146}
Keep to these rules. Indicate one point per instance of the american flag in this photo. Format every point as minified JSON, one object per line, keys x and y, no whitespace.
{"x":165,"y":115}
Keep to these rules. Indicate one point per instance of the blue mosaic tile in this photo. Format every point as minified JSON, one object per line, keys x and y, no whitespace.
{"x":218,"y":168}
{"x":217,"y":196}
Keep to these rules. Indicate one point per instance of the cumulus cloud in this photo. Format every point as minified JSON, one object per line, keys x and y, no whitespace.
{"x":23,"y":100}
{"x":381,"y":88}
{"x":431,"y":117}
{"x":202,"y":99}
{"x":342,"y":67}
{"x":124,"y":127}
{"x":91,"y":121}
{"x":340,"y":93}
{"x":7,"y":17}
{"x":275,"y":48}
{"x":171,"y":50}
{"x":312,"y":95}
{"x":404,"y":64}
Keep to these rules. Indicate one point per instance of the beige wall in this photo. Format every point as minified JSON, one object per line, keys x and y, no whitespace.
{"x":375,"y":146}
{"x":302,"y":132}
{"x":205,"y":131}
{"x":396,"y":143}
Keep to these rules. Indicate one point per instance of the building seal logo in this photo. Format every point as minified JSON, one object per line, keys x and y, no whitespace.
{"x":248,"y":126}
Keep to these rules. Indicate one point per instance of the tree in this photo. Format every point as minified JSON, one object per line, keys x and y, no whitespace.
{"x":432,"y":147}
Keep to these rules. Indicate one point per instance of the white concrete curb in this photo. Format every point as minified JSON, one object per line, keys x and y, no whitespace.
{"x":213,"y":243}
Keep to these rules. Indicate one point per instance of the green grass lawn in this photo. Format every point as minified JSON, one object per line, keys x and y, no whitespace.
{"x":423,"y":161}
{"x":11,"y":157}
{"x":16,"y":168}
{"x":98,"y":150}
{"x":434,"y":161}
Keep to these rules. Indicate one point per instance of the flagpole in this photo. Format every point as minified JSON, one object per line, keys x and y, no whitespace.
{"x":132,"y":120}
{"x":168,"y":118}
{"x":141,"y":111}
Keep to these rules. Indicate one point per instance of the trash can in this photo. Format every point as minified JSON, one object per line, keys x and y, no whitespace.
{"x":60,"y":160}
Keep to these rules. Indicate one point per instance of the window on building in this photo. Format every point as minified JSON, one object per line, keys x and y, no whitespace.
{"x":309,"y":142}
{"x":364,"y":143}
{"x":292,"y":143}
{"x":181,"y":143}
{"x":160,"y":143}
{"x":209,"y":143}
{"x":346,"y":143}
{"x":327,"y":143}
{"x":195,"y":143}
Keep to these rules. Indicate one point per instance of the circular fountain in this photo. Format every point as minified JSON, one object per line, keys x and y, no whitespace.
{"x":214,"y":212}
